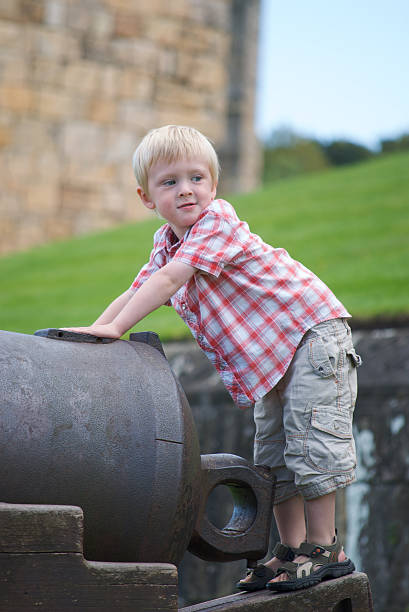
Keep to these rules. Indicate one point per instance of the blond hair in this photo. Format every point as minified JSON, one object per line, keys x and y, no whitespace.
{"x":172,"y":143}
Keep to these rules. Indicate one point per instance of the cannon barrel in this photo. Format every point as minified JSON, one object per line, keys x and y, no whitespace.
{"x":106,"y":426}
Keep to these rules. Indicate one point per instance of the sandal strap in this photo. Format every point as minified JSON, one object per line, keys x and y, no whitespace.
{"x":284,"y":552}
{"x":287,"y":567}
{"x":261,"y":571}
{"x":321,"y":554}
{"x":297,"y":570}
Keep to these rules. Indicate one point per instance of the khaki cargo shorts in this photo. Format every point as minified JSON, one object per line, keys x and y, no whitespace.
{"x":304,"y":424}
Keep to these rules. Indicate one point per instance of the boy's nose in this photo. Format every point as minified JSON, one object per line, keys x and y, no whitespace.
{"x":185,"y":189}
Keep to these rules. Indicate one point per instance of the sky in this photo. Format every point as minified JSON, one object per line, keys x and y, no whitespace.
{"x":334,"y":69}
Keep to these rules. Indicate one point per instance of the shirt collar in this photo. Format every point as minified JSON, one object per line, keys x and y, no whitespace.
{"x":170,"y":241}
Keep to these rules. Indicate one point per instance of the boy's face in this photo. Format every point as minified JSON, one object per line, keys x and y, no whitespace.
{"x":179,"y":191}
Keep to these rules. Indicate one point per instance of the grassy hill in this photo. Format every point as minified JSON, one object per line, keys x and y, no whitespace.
{"x":349,"y":225}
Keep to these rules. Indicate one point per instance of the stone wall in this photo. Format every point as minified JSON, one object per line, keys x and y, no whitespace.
{"x":371,"y":513}
{"x":81,"y":81}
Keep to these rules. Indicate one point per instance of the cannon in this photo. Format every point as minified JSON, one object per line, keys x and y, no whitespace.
{"x":106,"y":426}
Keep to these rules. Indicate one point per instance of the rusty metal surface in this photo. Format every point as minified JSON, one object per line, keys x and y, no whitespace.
{"x":247,"y":532}
{"x":105,"y":427}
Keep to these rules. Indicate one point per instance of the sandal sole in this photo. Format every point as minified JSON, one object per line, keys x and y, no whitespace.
{"x":332,"y":570}
{"x":245,"y":587}
{"x":253,"y":586}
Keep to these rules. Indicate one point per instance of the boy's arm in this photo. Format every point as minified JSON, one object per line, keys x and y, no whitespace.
{"x":154,"y":292}
{"x":114,"y":308}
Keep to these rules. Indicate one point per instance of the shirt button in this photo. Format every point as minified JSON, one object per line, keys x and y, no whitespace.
{"x":200,"y":338}
{"x":184,"y":306}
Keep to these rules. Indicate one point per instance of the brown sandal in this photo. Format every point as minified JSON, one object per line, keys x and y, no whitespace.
{"x":262,"y":574}
{"x":324,"y":564}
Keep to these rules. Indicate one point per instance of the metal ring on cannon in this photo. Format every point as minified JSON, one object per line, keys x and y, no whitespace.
{"x":247,"y":532}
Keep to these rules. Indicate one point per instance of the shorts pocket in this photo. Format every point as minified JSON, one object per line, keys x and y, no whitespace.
{"x":319,"y":358}
{"x":329,"y":445}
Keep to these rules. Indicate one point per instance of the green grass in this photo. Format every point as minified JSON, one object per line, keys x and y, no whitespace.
{"x":349,"y":225}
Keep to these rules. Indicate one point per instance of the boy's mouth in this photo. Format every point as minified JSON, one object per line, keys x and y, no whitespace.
{"x":187,"y":204}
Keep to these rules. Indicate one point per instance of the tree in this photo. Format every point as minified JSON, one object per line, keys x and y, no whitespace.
{"x":340,"y":152}
{"x":390,"y":145}
{"x":287,"y":154}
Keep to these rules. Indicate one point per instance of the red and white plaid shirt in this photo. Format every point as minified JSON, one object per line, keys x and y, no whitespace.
{"x":248,"y":305}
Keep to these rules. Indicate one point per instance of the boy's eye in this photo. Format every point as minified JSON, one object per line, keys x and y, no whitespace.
{"x":196,"y":178}
{"x":169,"y":182}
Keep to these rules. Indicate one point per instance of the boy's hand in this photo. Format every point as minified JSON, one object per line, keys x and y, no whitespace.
{"x":102,"y":331}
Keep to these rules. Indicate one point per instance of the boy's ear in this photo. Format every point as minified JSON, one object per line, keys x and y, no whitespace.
{"x":146,"y":201}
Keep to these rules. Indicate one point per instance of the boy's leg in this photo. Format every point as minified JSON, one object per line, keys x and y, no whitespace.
{"x":269,"y":445}
{"x":320,"y":514}
{"x":318,"y":397}
{"x":290,"y":519}
{"x":314,"y":401}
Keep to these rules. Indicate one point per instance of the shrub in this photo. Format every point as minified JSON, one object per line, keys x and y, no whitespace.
{"x":287,"y":154}
{"x":390,"y":145}
{"x":341,"y":152}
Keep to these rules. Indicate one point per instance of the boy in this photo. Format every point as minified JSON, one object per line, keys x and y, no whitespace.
{"x":273,"y":330}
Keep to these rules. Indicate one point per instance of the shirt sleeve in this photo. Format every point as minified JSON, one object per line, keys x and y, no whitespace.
{"x":211,"y":244}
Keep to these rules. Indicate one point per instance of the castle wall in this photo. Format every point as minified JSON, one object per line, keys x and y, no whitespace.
{"x":81,"y":81}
